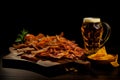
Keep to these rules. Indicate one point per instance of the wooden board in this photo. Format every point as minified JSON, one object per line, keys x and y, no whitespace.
{"x":43,"y":66}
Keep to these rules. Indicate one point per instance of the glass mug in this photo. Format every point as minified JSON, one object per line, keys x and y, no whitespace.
{"x":92,"y":30}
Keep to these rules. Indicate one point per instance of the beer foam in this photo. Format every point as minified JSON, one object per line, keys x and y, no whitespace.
{"x":91,"y":19}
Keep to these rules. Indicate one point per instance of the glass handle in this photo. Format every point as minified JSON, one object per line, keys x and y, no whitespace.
{"x":107,"y":34}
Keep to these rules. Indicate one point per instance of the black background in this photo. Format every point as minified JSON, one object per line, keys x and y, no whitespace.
{"x":52,"y":18}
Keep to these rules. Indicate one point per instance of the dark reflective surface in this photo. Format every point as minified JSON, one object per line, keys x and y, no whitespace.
{"x":18,"y":74}
{"x":95,"y":73}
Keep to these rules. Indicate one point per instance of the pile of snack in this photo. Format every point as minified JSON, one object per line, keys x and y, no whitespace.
{"x":101,"y":55}
{"x":58,"y":47}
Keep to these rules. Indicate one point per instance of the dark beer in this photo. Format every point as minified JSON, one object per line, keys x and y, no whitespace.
{"x":92,"y":32}
{"x":92,"y":35}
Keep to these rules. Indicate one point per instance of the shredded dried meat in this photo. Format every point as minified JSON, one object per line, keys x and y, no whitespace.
{"x":49,"y":46}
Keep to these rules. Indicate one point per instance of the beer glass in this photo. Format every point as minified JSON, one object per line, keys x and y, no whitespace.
{"x":92,"y":30}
